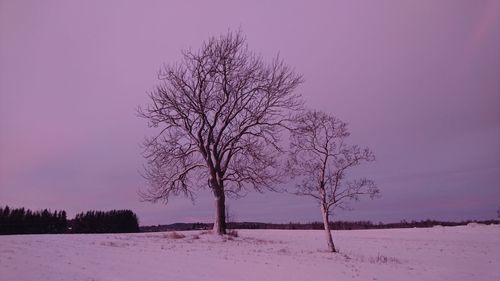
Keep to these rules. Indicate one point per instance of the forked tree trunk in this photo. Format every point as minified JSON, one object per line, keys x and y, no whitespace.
{"x":220,"y":213}
{"x":328,"y":233}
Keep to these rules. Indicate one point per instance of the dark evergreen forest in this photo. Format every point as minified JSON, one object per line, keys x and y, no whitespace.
{"x":25,"y":221}
{"x":121,"y":221}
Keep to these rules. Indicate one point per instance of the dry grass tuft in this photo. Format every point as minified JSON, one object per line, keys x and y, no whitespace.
{"x":384,"y":259}
{"x":232,"y":233}
{"x":205,"y":232}
{"x":174,"y":235}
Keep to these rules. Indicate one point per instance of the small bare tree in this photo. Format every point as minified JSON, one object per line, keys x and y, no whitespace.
{"x":220,"y":112}
{"x":320,"y":158}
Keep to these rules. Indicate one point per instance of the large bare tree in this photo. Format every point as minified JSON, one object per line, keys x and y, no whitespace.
{"x":220,"y":111}
{"x":320,"y":158}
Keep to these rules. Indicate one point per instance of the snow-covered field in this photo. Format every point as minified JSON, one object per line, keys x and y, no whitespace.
{"x":439,"y":253}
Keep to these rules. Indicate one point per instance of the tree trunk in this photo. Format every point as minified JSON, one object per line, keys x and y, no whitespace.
{"x":220,"y":212}
{"x":326,"y":222}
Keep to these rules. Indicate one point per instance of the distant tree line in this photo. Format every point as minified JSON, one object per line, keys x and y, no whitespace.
{"x":337,"y":225}
{"x":353,"y":225}
{"x":116,"y":221}
{"x":25,"y":221}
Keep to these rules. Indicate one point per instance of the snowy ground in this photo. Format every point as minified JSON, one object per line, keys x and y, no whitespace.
{"x":439,"y":253}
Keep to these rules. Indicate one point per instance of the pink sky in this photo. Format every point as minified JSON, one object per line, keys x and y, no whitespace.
{"x":418,"y":82}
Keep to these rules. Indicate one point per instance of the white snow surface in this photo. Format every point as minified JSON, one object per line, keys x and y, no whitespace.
{"x":439,"y":253}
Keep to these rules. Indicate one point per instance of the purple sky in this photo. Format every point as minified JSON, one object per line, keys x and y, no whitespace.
{"x":418,"y":82}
